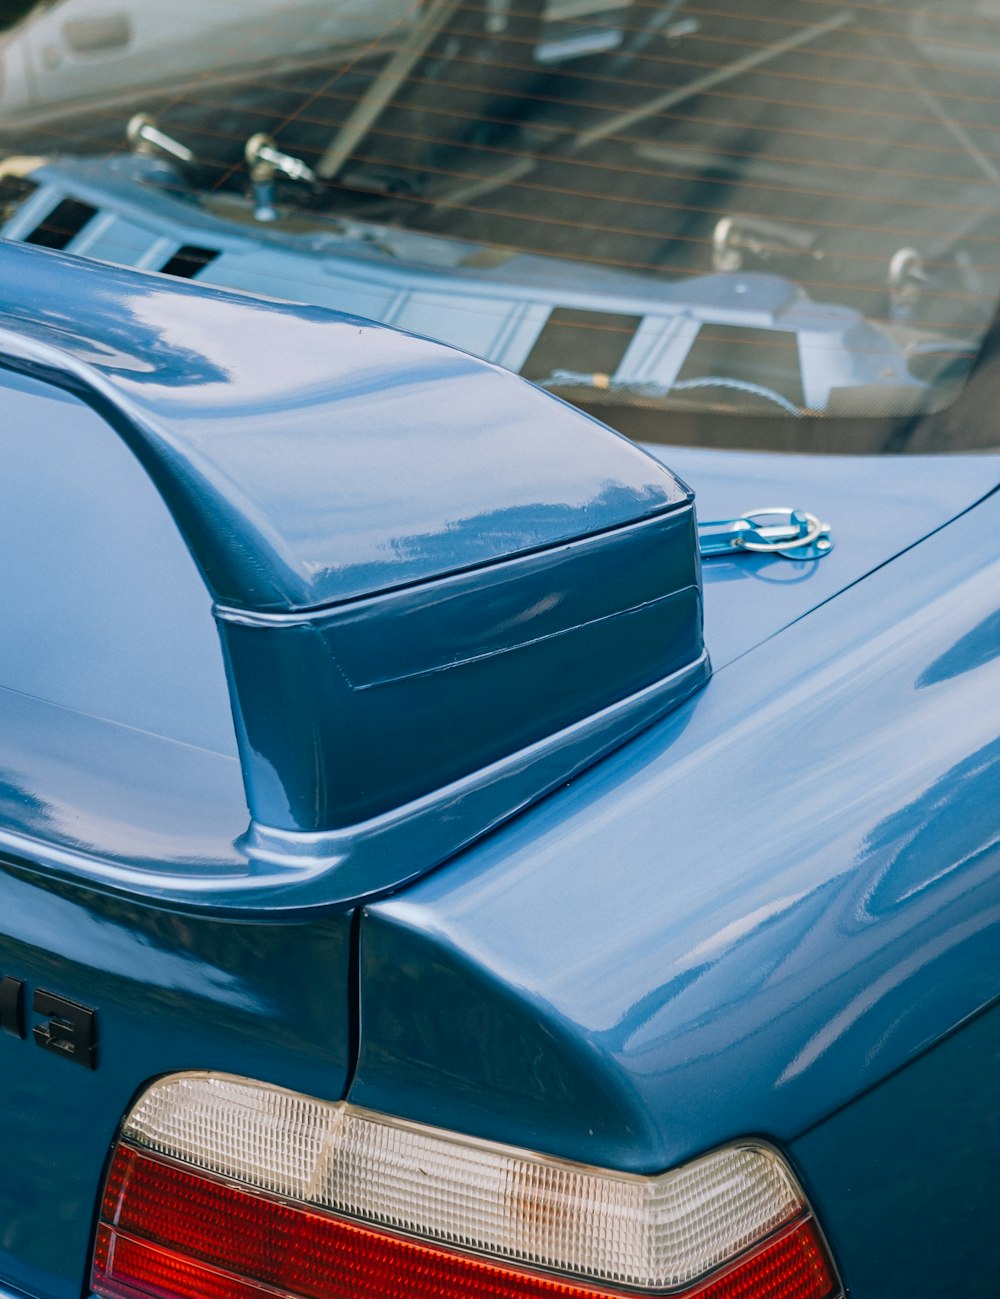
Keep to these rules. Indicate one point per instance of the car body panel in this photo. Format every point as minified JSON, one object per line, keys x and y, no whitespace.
{"x":386,"y":436}
{"x":742,"y":921}
{"x":762,"y":911}
{"x":109,"y":566}
{"x":725,"y":975}
{"x":266,"y":1000}
{"x":928,"y":1138}
{"x":514,"y":538}
{"x":183,"y":832}
{"x":877,"y":507}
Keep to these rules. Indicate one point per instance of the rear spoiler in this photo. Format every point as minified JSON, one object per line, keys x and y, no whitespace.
{"x":440,"y":592}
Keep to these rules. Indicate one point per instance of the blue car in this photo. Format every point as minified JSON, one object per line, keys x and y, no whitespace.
{"x":500,"y":667}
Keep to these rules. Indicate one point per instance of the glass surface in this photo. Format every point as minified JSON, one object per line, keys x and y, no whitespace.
{"x":775,"y":221}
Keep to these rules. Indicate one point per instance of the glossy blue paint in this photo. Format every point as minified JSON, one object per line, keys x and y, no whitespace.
{"x":410,"y":596}
{"x":877,"y":507}
{"x":904,"y":1180}
{"x":105,"y":611}
{"x":780,"y":894}
{"x":773,"y":913}
{"x":145,"y":814}
{"x":741,"y":922}
{"x":267,"y":1000}
{"x":357,"y":712}
{"x":401,"y":459}
{"x":118,"y":751}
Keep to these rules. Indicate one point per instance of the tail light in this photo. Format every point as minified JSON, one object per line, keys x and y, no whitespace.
{"x":221,"y":1188}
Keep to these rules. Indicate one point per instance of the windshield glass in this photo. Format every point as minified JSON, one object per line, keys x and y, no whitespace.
{"x":770,"y":223}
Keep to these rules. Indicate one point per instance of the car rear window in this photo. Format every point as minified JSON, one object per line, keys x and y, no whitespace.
{"x":813,"y":185}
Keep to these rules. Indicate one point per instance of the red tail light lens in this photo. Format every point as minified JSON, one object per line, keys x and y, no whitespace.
{"x":168,"y":1231}
{"x":226,"y":1188}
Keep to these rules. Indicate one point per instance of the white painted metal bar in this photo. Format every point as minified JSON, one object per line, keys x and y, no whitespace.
{"x":625,"y":121}
{"x":372,"y":104}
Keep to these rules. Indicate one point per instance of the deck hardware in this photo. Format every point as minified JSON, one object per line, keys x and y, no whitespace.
{"x":791,"y":534}
{"x":905,"y":279}
{"x":734,"y":237}
{"x":144,"y":136}
{"x":266,"y":161}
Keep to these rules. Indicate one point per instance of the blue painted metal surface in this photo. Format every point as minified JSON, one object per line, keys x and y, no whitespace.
{"x":399,"y":590}
{"x":357,"y":712}
{"x":164,"y":820}
{"x":267,"y":1000}
{"x":118,"y":749}
{"x":93,"y":558}
{"x":878,"y":506}
{"x":904,"y":1180}
{"x":401,"y":459}
{"x":742,"y":921}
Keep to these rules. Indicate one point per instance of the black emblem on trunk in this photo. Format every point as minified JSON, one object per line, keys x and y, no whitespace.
{"x":69,"y":1029}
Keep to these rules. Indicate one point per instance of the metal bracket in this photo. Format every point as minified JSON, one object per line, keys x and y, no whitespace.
{"x":144,"y":136}
{"x":792,"y":534}
{"x":265,"y":161}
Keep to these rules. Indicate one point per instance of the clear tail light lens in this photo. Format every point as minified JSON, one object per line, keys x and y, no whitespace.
{"x":222,"y":1188}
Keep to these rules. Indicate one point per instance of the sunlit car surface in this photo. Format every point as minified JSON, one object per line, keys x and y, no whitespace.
{"x":499,"y":746}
